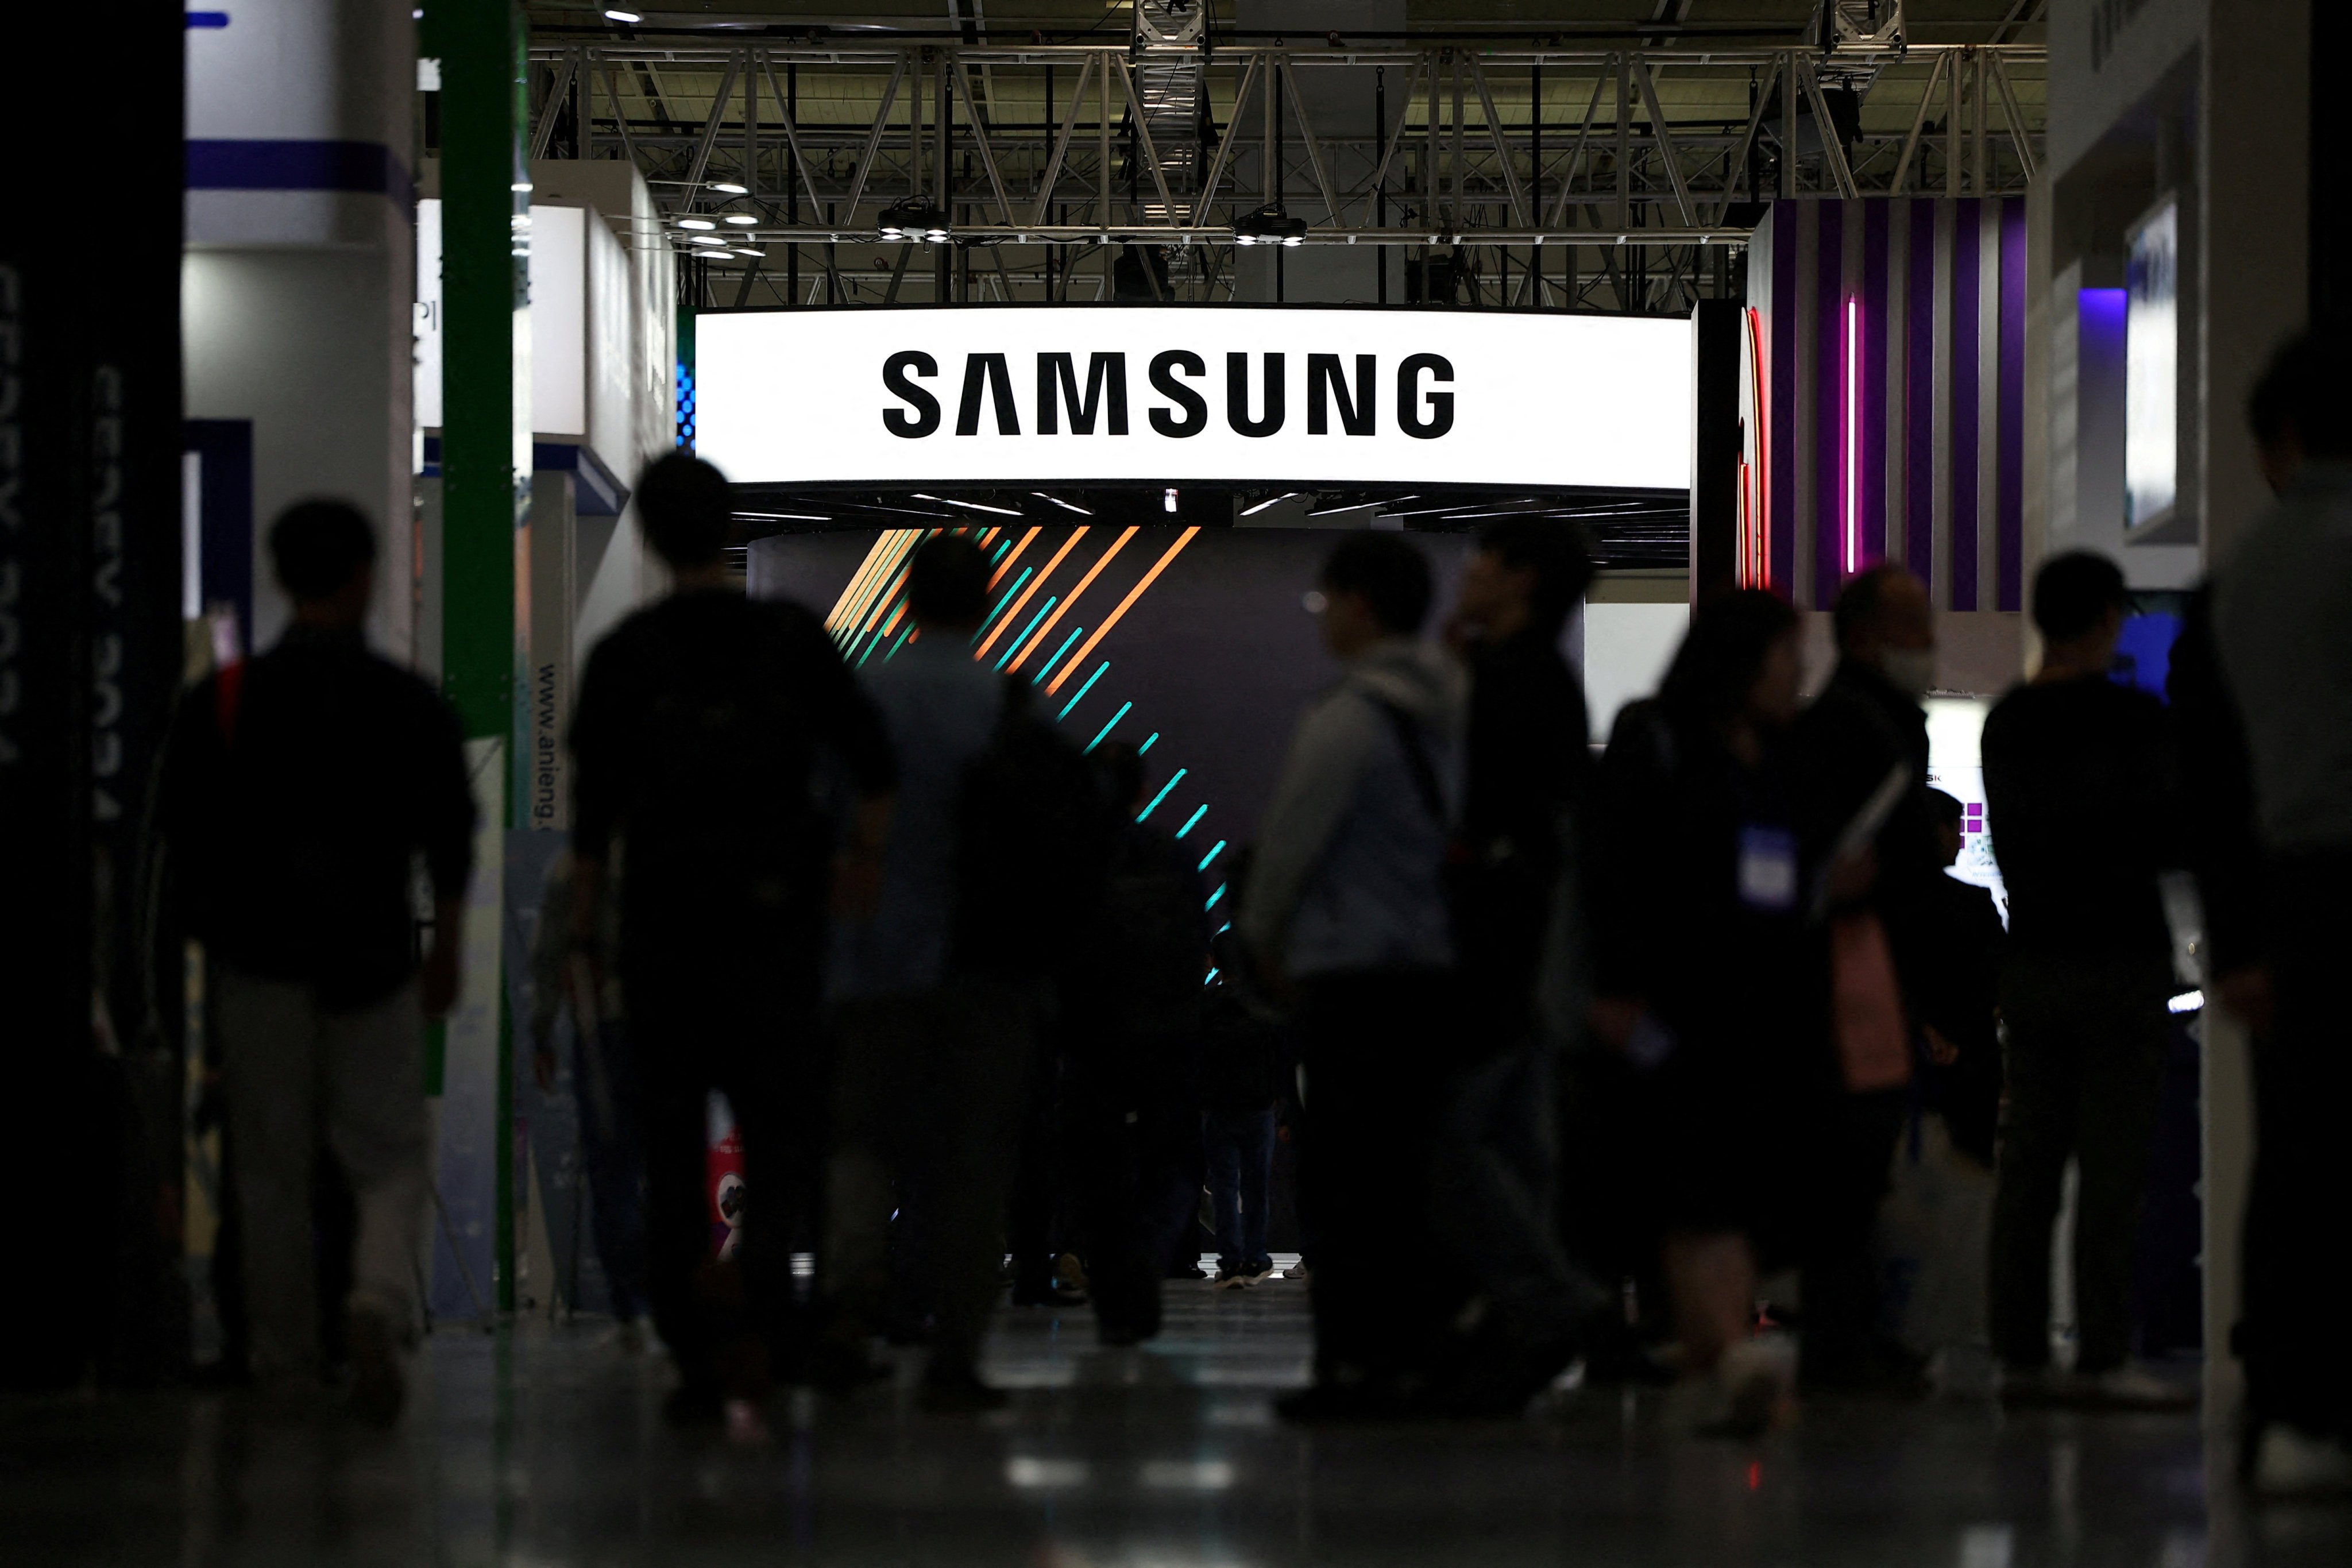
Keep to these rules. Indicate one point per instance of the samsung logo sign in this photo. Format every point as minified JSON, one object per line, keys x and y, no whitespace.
{"x":1342,"y":394}
{"x":1147,"y":394}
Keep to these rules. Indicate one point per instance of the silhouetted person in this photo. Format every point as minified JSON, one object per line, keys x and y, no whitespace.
{"x":2081,"y":798}
{"x":934,"y":1055}
{"x":300,"y":793}
{"x":700,"y":723}
{"x":1867,"y":723}
{"x":1345,"y":905}
{"x":1527,"y":766}
{"x":1963,"y":1033}
{"x":2282,"y":619}
{"x":1709,"y":974}
{"x":1136,"y":1021}
{"x":1245,"y":1076}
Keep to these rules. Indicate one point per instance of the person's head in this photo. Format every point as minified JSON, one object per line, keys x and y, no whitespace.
{"x":1945,"y":811}
{"x":1374,"y":586}
{"x":1884,"y":621}
{"x":947,"y":583}
{"x":686,"y":510}
{"x":324,"y":551}
{"x":1122,"y":774}
{"x":1527,"y":572}
{"x":2078,"y":607}
{"x":1740,"y":661}
{"x":2301,"y":409}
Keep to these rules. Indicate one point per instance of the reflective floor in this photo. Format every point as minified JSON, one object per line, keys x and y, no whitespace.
{"x":544,"y":1447}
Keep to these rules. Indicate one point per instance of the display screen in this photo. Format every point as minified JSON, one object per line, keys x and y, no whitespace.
{"x":2152,"y":368}
{"x":954,"y":394}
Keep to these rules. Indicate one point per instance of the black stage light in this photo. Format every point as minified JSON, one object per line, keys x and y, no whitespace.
{"x":913,"y":219}
{"x":1270,"y":225}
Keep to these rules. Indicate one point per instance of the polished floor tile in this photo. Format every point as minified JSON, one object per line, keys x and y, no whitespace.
{"x":542,"y":1448}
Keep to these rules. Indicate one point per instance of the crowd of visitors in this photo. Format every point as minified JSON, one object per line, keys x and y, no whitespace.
{"x":1620,"y":1046}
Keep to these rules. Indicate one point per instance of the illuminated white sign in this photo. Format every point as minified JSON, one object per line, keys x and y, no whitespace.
{"x":2152,"y":367}
{"x":1108,"y":393}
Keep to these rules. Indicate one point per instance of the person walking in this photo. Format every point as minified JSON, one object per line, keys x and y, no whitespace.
{"x":1346,"y":909}
{"x":936,"y":1024}
{"x":698,"y":736}
{"x":2080,"y":792}
{"x":2283,"y":624}
{"x":299,"y":793}
{"x":1710,"y":978}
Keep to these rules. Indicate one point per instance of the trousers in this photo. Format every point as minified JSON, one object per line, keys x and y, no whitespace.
{"x":2085,"y":1078}
{"x":297,"y":1078}
{"x":1239,"y":1145}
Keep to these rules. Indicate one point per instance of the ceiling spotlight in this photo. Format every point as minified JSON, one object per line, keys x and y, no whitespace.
{"x":622,"y":16}
{"x":743,"y":220}
{"x":754,"y":254}
{"x":704,"y":239}
{"x":913,"y":219}
{"x":696,"y":223}
{"x":730,"y":187}
{"x":1270,"y":225}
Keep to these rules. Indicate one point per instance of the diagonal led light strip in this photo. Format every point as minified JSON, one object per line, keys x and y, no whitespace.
{"x":1067,"y":546}
{"x":1124,"y":606}
{"x":1852,"y":434}
{"x":1005,"y":564}
{"x":886,"y":563}
{"x":1072,"y":597}
{"x":847,"y":607}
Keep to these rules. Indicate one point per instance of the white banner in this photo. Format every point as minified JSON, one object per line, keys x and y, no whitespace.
{"x":1110,"y":394}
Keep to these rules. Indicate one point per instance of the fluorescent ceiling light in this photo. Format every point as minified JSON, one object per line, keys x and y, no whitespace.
{"x":1272,"y":500}
{"x":783,"y":516}
{"x":704,"y":239}
{"x":622,"y":16}
{"x":974,"y":505}
{"x":730,"y":187}
{"x":520,"y":187}
{"x":754,"y":254}
{"x":744,"y":219}
{"x":1065,"y":506}
{"x":696,"y":223}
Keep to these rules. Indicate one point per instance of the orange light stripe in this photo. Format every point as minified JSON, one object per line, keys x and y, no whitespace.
{"x":992,"y":534}
{"x":892,"y":624}
{"x":1006,"y":564}
{"x":1037,"y":638}
{"x":1035,"y":582}
{"x":855,"y":593}
{"x":1125,"y":605}
{"x":901,"y":541}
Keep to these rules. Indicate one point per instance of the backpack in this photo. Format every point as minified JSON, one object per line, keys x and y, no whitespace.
{"x":1034,"y":837}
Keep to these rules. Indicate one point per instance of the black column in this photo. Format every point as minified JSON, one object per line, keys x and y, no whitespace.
{"x":1714,"y":448}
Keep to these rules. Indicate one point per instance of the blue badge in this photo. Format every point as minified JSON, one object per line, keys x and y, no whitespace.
{"x":1768,"y":869}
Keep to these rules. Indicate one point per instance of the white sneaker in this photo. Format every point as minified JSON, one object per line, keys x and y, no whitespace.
{"x":2293,"y":1463}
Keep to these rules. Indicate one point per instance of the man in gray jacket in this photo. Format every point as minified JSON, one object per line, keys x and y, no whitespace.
{"x":1345,"y":908}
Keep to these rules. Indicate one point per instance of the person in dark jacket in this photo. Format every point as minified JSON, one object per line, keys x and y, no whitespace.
{"x":1709,"y":977}
{"x":299,"y":792}
{"x":1866,"y":725}
{"x":705,"y":699}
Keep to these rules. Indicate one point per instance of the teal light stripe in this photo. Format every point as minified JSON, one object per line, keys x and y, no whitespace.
{"x":1146,"y":745}
{"x":1001,"y":603}
{"x":875,"y":643}
{"x":1089,"y":686}
{"x":900,"y":643}
{"x":1210,"y":976}
{"x":1191,"y":822}
{"x":1000,"y":553}
{"x":1075,"y":633}
{"x":1015,"y":645}
{"x":1214,"y":897}
{"x":1156,"y":799}
{"x":1225,"y":927}
{"x":1106,"y":729}
{"x":1214,"y":850}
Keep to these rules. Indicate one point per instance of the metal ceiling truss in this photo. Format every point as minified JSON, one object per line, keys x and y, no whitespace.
{"x":1164,"y":142}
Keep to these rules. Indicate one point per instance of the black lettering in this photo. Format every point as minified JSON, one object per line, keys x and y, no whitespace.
{"x":1237,"y":396}
{"x":1441,"y":404}
{"x":925,"y":417}
{"x":1058,"y":370}
{"x":1324,"y":386}
{"x":1195,"y":417}
{"x":999,"y":391}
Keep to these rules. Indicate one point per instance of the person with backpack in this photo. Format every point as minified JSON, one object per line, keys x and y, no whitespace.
{"x":299,"y":792}
{"x":697,"y":738}
{"x":940,"y":991}
{"x":1134,"y":1040}
{"x":1345,"y":912}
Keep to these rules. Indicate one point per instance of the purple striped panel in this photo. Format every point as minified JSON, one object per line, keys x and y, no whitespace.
{"x":2009,"y":502}
{"x":1919,"y":397}
{"x":1968,"y":266}
{"x":1874,"y":217}
{"x":1826,"y":527}
{"x":1783,"y":369}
